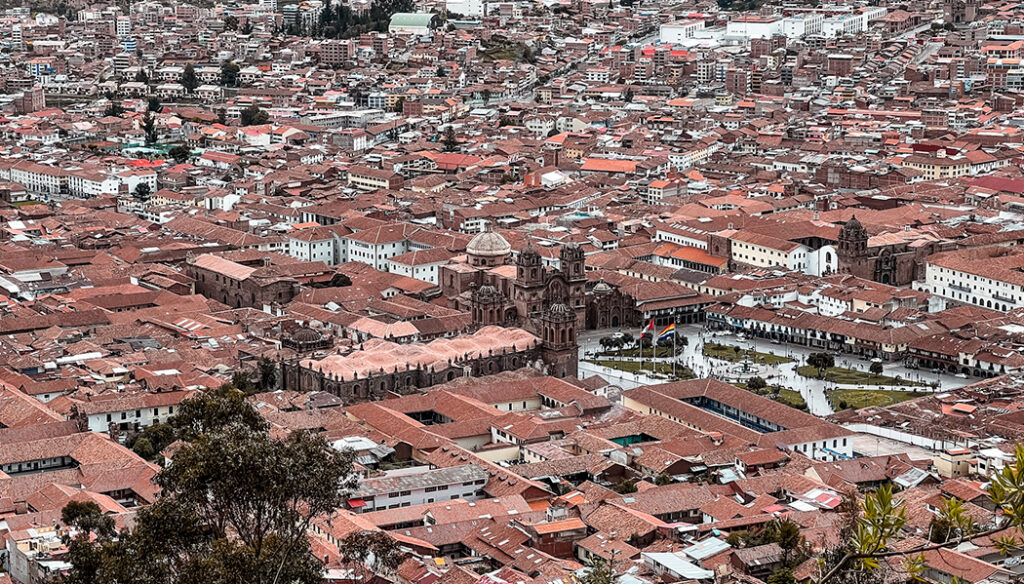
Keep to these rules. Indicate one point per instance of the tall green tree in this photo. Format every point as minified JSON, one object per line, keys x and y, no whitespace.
{"x":229,"y":74}
{"x":189,"y":79}
{"x":142,"y":192}
{"x":450,"y":140}
{"x":235,"y":506}
{"x":821,"y":362}
{"x":254,"y":116}
{"x":149,"y":127}
{"x":180,"y":153}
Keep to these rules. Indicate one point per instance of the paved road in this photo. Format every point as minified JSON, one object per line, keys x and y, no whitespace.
{"x":812,"y":390}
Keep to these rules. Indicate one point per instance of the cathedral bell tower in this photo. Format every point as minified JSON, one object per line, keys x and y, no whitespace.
{"x":573,"y":269}
{"x":559,"y":349}
{"x":853,"y":241}
{"x":529,"y":284}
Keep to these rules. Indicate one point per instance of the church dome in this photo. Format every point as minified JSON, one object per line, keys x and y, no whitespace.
{"x":488,"y":244}
{"x":602,"y":287}
{"x":306,"y":336}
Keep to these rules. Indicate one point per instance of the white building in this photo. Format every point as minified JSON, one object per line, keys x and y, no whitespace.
{"x":990,"y":278}
{"x":313,"y":245}
{"x":678,"y":32}
{"x":131,"y":411}
{"x":844,"y":25}
{"x":753,"y":26}
{"x":802,"y":25}
{"x":418,"y":486}
{"x":420,"y":264}
{"x":467,"y":7}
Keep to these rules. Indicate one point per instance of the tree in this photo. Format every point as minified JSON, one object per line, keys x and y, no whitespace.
{"x":189,"y":79}
{"x":180,"y":153}
{"x":663,"y":479}
{"x":782,"y":576}
{"x":627,"y":96}
{"x":214,"y":410}
{"x":87,"y":516}
{"x":625,"y":486}
{"x":229,"y":74}
{"x":246,"y":28}
{"x":141,"y":76}
{"x":231,"y":22}
{"x":144,"y":448}
{"x":599,"y":571}
{"x":450,"y":140}
{"x":159,"y":436}
{"x":153,"y":104}
{"x":254,"y":116}
{"x":376,"y":547}
{"x":141,"y":192}
{"x":114,"y":109}
{"x":486,"y":95}
{"x":235,"y":507}
{"x":821,"y":362}
{"x":268,"y":374}
{"x":876,"y":368}
{"x":756,"y":384}
{"x":149,"y":127}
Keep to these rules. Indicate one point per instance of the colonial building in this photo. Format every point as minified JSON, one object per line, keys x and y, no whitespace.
{"x":381,"y":368}
{"x":895,"y":258}
{"x":237,"y":285}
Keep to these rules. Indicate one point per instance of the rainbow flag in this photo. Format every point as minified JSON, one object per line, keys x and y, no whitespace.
{"x":669,"y":331}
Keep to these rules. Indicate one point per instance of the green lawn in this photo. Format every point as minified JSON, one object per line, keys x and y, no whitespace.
{"x":634,"y":366}
{"x":784,"y":395}
{"x":730,"y":353}
{"x":852,"y":376}
{"x":863,"y":398}
{"x":792,"y":398}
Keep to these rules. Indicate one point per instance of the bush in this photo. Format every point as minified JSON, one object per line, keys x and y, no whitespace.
{"x":144,"y":448}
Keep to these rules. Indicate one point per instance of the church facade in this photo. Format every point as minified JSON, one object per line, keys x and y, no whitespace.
{"x":498,"y":291}
{"x":892,"y":260}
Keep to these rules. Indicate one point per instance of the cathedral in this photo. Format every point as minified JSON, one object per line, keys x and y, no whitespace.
{"x":496,"y":290}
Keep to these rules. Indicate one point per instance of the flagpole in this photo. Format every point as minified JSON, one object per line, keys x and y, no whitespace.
{"x":673,"y":347}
